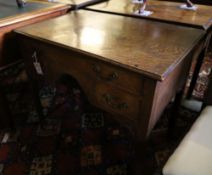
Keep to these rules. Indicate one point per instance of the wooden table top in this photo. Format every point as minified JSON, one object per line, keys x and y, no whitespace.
{"x":76,"y":3}
{"x":10,"y":13}
{"x":148,"y":47}
{"x":162,"y":10}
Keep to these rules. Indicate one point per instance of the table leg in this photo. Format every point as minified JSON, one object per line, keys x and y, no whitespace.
{"x":5,"y":114}
{"x":196,"y":73}
{"x":173,"y":114}
{"x":137,"y":165}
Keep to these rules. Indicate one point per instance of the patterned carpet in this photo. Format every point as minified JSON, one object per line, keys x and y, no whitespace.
{"x":75,"y":137}
{"x":202,"y":80}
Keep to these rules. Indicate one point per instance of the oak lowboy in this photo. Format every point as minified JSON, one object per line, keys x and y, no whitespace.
{"x":129,"y":67}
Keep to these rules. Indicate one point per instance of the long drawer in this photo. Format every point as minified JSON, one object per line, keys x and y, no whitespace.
{"x":55,"y":60}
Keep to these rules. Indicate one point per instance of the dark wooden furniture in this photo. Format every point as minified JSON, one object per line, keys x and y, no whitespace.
{"x":12,"y":17}
{"x":162,"y":11}
{"x":131,"y":69}
{"x":5,"y":115}
{"x":169,"y":12}
{"x":6,"y":121}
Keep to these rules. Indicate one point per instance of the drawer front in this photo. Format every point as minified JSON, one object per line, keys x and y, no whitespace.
{"x":56,"y":61}
{"x":113,"y":100}
{"x":55,"y":58}
{"x":84,"y":66}
{"x":110,"y":87}
{"x":119,"y":77}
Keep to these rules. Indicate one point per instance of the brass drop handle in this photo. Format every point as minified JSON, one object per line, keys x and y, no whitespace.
{"x":110,"y":77}
{"x":110,"y":100}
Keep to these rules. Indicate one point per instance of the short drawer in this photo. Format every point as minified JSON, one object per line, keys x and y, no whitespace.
{"x":114,"y":100}
{"x":119,"y":77}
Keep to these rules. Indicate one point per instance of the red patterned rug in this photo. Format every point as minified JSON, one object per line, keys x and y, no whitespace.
{"x":202,"y":80}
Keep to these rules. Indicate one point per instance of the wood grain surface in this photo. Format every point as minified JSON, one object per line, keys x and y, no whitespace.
{"x":76,"y":4}
{"x":151,"y":48}
{"x":34,"y":12}
{"x":162,"y":10}
{"x":24,"y":14}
